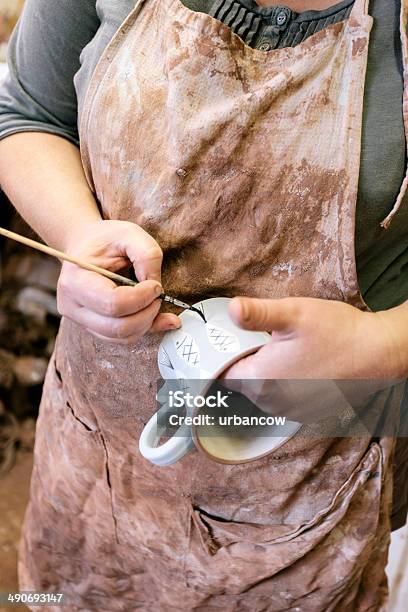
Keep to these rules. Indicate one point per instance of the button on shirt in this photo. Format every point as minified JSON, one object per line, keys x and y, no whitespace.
{"x":282,"y":17}
{"x":275,"y":24}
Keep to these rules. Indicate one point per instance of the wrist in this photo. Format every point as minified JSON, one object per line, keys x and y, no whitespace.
{"x":394,"y":324}
{"x":80,"y":231}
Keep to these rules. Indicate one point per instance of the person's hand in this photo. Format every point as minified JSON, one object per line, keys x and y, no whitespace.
{"x":313,"y":338}
{"x":316,"y":339}
{"x":115,"y":313}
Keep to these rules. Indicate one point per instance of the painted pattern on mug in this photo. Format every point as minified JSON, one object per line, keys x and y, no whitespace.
{"x":222,"y":340}
{"x":187,"y":349}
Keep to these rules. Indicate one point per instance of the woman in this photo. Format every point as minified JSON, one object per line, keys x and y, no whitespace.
{"x":225,"y":144}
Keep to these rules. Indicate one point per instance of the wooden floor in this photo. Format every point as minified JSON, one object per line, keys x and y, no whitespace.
{"x":13,"y":500}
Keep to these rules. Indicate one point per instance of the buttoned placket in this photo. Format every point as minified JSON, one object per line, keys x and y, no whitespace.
{"x":276,"y":24}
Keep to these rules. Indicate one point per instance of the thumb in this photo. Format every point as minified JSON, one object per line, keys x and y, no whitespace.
{"x":264,"y":315}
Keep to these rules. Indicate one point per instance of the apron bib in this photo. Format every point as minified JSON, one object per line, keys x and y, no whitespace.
{"x":244,"y":166}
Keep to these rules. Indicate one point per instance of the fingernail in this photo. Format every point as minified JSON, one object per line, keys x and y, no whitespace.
{"x":158,"y":290}
{"x":175,"y":325}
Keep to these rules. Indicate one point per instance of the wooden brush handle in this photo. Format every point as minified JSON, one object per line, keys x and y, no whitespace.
{"x":65,"y":257}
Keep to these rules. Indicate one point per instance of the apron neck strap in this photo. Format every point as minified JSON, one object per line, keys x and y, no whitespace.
{"x":360,"y":7}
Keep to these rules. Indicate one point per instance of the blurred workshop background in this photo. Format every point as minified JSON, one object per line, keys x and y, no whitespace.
{"x":28,"y":327}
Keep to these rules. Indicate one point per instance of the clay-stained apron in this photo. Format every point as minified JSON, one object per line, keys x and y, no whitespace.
{"x":244,"y":166}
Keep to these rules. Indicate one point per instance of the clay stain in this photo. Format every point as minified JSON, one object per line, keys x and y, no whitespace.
{"x":358,"y":46}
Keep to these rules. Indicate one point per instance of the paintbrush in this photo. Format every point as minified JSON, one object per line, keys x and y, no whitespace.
{"x":122,"y":280}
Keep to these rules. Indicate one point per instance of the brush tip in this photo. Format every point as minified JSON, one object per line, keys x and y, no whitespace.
{"x":198,"y":311}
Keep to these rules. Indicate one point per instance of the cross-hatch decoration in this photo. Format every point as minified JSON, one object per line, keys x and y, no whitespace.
{"x":223,"y":341}
{"x":188,"y":350}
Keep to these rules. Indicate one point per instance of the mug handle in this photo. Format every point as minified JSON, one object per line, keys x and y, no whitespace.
{"x":171,"y":451}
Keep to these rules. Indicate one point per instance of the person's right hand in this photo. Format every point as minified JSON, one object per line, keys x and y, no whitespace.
{"x":114,"y":313}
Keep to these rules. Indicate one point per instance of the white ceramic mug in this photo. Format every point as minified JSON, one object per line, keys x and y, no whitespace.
{"x":195,"y":355}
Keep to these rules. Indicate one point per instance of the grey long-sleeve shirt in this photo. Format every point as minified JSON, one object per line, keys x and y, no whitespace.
{"x":56,"y":45}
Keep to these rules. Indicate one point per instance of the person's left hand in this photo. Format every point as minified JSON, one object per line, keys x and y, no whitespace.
{"x":318,"y":339}
{"x":344,"y":354}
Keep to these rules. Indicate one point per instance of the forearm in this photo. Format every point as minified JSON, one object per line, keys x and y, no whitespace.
{"x":43,"y":176}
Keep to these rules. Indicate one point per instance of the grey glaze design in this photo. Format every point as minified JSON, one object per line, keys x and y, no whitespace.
{"x":187,"y":349}
{"x":223,"y":341}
